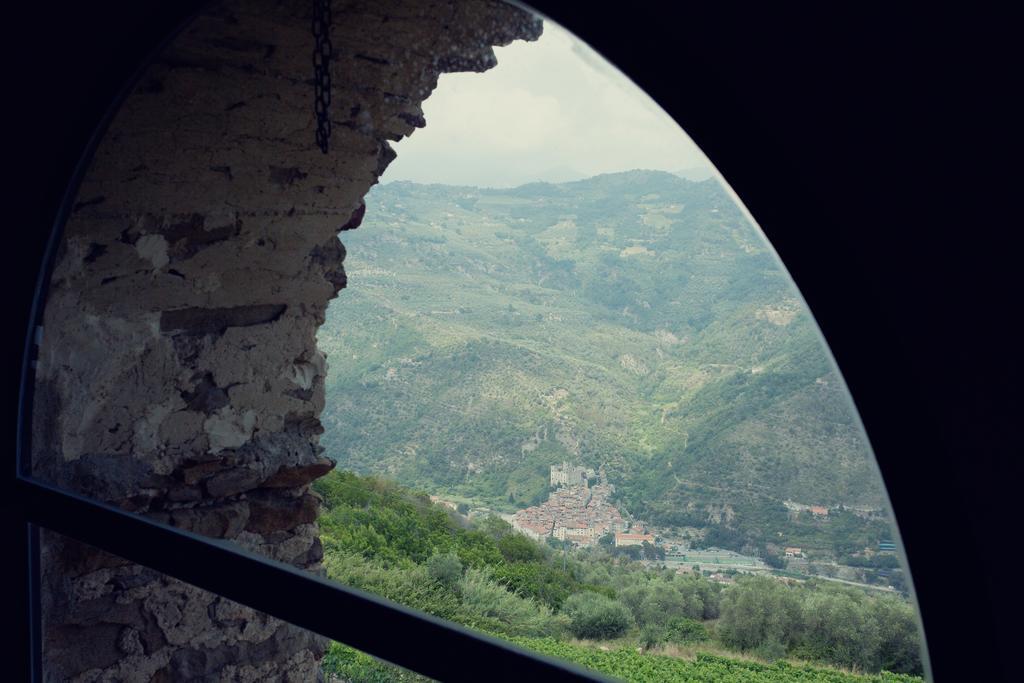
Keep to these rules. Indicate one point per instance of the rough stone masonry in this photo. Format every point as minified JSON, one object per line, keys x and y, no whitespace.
{"x":179,"y":375}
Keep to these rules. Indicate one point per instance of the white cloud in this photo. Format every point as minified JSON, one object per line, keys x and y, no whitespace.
{"x":551,"y":110}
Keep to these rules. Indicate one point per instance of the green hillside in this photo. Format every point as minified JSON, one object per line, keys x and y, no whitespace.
{"x":633,"y":319}
{"x":595,"y":608}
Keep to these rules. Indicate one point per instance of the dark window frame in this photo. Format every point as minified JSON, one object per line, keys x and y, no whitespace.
{"x":403,"y":636}
{"x":913,"y":491}
{"x":778,"y":99}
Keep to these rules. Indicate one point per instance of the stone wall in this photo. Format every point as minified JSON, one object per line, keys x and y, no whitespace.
{"x":179,"y":375}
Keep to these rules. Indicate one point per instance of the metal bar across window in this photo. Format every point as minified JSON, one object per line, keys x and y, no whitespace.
{"x":400,"y":635}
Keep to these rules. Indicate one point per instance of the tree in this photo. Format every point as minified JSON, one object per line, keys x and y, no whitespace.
{"x":758,"y":610}
{"x":495,"y":527}
{"x":518,"y":548}
{"x":663,"y":602}
{"x":840,"y":630}
{"x":651,"y":552}
{"x":899,"y":644}
{"x":631,"y":551}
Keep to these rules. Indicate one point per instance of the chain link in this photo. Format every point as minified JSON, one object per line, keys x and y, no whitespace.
{"x":322,"y":71}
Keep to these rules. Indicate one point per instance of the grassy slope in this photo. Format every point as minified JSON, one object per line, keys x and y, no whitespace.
{"x":382,"y":537}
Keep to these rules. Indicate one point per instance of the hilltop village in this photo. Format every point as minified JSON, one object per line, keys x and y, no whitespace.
{"x":578,"y":510}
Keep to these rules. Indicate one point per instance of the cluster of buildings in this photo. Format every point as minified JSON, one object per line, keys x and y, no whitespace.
{"x":822,"y":511}
{"x":574,"y":511}
{"x":623,"y":539}
{"x":819,"y":511}
{"x":864,"y":511}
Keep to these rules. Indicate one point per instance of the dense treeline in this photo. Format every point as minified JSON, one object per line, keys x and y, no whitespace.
{"x":384,"y":538}
{"x":843,"y":626}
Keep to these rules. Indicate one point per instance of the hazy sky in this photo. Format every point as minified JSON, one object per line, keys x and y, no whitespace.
{"x":550,"y":110}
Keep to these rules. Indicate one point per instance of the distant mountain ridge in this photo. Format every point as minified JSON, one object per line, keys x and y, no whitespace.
{"x":631,"y":319}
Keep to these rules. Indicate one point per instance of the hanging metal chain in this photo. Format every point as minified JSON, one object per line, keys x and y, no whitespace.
{"x":322,"y":71}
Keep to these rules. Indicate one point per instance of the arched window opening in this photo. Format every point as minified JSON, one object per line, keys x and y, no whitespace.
{"x":570,"y":397}
{"x":562,"y":326}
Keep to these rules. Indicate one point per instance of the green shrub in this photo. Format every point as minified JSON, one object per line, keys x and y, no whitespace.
{"x":408,"y":585}
{"x":445,"y":568}
{"x":488,"y":605}
{"x":683,"y":630}
{"x":596,"y":616}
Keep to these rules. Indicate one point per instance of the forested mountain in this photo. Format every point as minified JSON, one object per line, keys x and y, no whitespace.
{"x":633,"y":319}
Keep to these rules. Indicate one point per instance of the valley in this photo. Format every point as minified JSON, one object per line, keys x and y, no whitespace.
{"x":595,"y":418}
{"x":633,"y":320}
